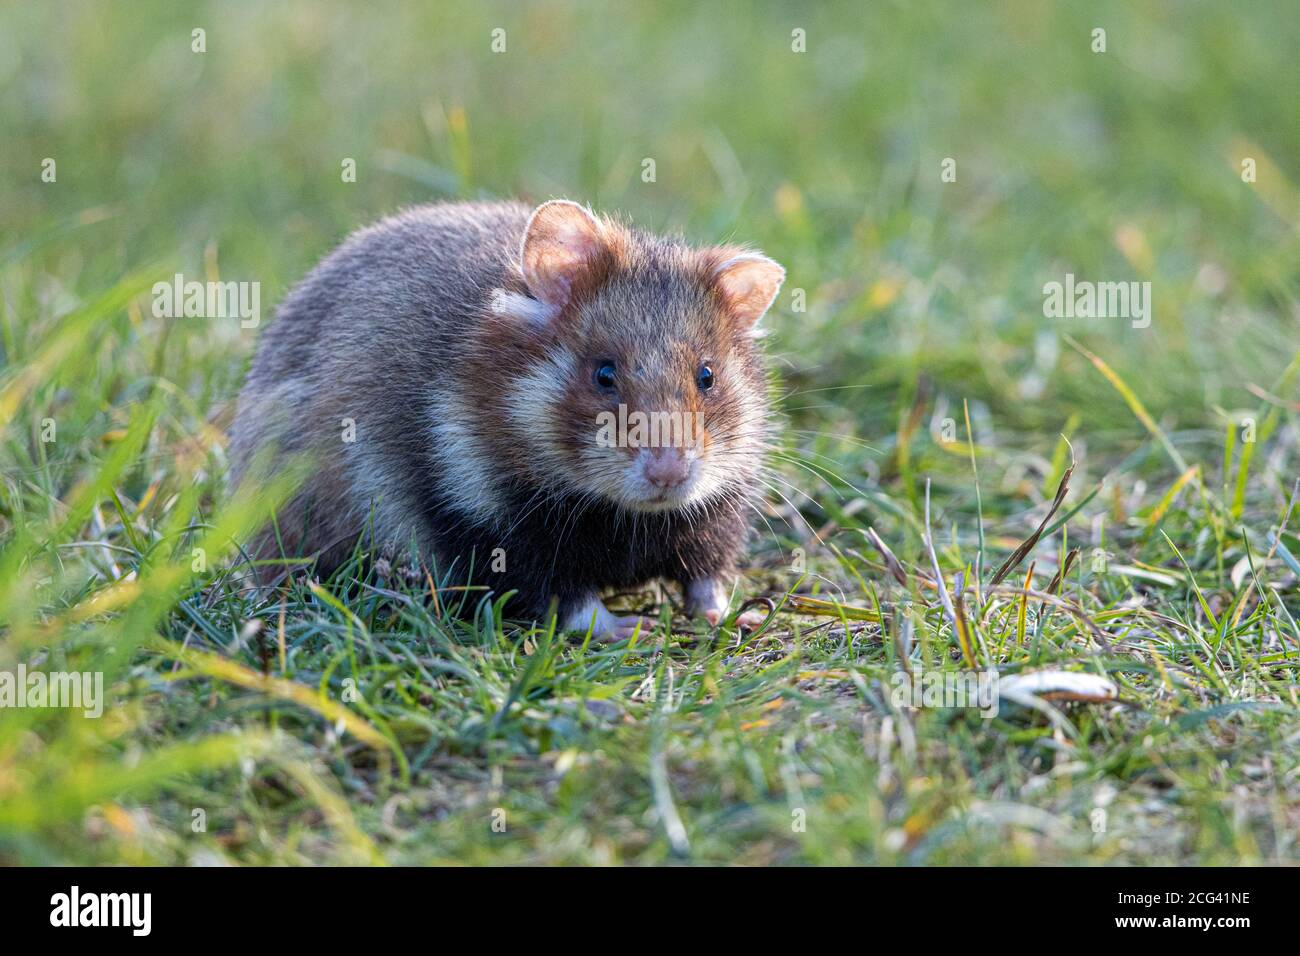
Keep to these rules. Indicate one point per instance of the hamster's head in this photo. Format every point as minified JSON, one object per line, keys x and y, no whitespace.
{"x":636,"y":377}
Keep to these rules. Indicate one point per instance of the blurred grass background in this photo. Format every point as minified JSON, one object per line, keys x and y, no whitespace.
{"x":920,"y":294}
{"x":1115,"y":165}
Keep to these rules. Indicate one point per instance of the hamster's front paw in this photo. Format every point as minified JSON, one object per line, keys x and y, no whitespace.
{"x":706,"y":598}
{"x":604,"y":624}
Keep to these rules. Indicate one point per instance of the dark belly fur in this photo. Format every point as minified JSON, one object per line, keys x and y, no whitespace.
{"x":569,"y":551}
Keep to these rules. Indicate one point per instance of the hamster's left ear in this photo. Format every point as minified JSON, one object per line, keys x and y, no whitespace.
{"x":747,"y":283}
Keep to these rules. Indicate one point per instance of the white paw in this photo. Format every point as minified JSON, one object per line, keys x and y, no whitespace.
{"x":706,"y":598}
{"x":603,"y":623}
{"x":746,"y":620}
{"x":625,"y":627}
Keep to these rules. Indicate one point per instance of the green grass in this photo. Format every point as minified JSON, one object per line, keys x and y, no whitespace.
{"x":922,"y":360}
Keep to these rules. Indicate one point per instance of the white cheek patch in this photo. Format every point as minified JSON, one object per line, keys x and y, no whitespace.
{"x":535,"y":404}
{"x":744,"y":436}
{"x":522,"y":308}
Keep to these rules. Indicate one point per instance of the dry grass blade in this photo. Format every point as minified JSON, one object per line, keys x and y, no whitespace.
{"x":1023,"y":611}
{"x":958,"y":629}
{"x":961,"y":625}
{"x":1133,"y":402}
{"x":891,"y":563}
{"x":1062,"y":572}
{"x":1171,"y":495}
{"x":818,"y":607}
{"x":934,"y":562}
{"x":1018,"y":555}
{"x":1064,"y":604}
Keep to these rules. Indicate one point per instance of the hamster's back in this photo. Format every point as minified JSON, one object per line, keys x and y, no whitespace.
{"x":401,"y":280}
{"x":368,"y":332}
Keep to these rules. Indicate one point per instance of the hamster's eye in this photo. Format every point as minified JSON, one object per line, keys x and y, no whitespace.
{"x":704,"y":378}
{"x":605,"y":375}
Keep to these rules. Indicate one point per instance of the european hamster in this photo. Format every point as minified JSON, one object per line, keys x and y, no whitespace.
{"x":482,"y":381}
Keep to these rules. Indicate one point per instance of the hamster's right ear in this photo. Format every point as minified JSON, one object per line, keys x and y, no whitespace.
{"x":565,"y":248}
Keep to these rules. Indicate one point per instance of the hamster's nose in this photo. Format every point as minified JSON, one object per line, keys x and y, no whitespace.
{"x":665,"y":467}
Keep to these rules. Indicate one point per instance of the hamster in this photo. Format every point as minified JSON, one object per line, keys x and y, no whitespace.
{"x":480,"y":382}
